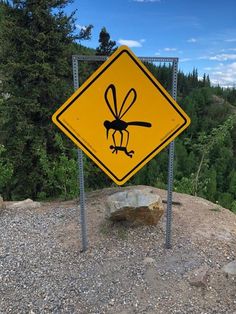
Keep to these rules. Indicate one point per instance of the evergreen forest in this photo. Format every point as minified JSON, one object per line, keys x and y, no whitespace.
{"x":37,"y":40}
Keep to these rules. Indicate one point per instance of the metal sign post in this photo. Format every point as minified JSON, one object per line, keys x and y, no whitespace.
{"x":174,"y":61}
{"x":81,"y":169}
{"x":171,"y":164}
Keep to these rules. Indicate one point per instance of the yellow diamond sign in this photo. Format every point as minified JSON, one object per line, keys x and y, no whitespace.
{"x":121,"y":117}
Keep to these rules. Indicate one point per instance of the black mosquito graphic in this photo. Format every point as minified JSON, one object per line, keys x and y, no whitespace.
{"x":119,"y":125}
{"x":123,"y":149}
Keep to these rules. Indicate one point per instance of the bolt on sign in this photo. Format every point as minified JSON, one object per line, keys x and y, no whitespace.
{"x":121,"y":117}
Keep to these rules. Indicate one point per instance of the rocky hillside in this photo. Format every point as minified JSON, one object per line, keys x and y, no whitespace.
{"x":126,"y":269}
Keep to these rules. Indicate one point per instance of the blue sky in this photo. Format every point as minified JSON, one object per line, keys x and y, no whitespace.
{"x":201,"y":33}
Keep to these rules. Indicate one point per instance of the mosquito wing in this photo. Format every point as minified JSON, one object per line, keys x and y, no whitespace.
{"x":111,"y":100}
{"x":128,"y":102}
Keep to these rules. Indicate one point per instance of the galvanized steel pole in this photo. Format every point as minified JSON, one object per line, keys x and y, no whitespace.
{"x":171,"y":165}
{"x":81,"y":168}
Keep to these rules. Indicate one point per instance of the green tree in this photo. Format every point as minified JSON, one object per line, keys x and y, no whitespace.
{"x":106,"y":46}
{"x":36,"y":40}
{"x":206,"y":143}
{"x":226,"y":200}
{"x":232,"y":183}
{"x":211,"y":185}
{"x":6,"y":170}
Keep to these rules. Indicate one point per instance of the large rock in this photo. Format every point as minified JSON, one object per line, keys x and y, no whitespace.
{"x":141,"y":206}
{"x":26,"y":204}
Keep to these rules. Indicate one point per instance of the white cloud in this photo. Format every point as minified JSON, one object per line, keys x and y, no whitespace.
{"x":170,"y":49}
{"x":185,"y":59}
{"x":203,"y":58}
{"x":192,"y":40}
{"x":228,"y":49}
{"x":208,"y":68}
{"x":224,"y":75}
{"x":131,"y":43}
{"x":223,"y":57}
{"x":219,"y":57}
{"x":230,"y":40}
{"x":81,"y":27}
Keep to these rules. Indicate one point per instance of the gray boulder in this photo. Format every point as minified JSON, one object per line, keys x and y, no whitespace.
{"x":140,"y":205}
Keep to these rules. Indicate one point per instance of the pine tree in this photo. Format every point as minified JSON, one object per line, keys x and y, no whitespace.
{"x":35,"y":69}
{"x":206,"y":143}
{"x":107,"y":46}
{"x":211,"y":186}
{"x":232,"y":183}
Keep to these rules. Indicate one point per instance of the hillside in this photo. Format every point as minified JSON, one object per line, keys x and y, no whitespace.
{"x":126,"y":269}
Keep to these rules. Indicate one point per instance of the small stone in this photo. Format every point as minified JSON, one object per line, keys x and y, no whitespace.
{"x":198,"y":277}
{"x":112,"y":302}
{"x":230,"y":268}
{"x":148,"y":261}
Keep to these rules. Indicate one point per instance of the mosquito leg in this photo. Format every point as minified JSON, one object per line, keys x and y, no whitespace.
{"x":127,"y":141}
{"x":130,"y":153}
{"x":114,"y":139}
{"x":121,"y":138}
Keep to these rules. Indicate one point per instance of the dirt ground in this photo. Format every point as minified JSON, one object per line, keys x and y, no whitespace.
{"x":127,"y":269}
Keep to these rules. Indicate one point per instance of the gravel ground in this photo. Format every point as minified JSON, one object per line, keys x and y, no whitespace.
{"x":125,"y":270}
